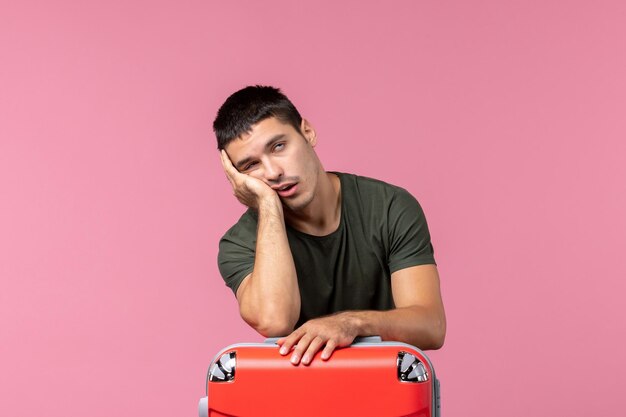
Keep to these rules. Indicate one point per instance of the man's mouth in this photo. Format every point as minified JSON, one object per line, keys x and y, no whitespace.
{"x":286,"y":190}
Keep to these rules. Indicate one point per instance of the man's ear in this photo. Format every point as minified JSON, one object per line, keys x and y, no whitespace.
{"x":308,"y":132}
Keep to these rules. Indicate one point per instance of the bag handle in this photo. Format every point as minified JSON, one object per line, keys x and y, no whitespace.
{"x":360,"y":339}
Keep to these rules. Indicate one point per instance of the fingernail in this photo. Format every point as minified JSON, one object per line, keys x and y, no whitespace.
{"x":294,"y":359}
{"x":283,"y":350}
{"x":306,"y":359}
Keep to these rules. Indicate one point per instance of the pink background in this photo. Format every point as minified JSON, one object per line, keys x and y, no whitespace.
{"x":505,"y":119}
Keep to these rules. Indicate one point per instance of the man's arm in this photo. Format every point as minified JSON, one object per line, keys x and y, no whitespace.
{"x":269,"y":297}
{"x":418,"y":319}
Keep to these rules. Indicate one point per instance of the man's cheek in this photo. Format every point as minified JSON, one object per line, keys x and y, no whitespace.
{"x":255,"y":173}
{"x":262,"y":179}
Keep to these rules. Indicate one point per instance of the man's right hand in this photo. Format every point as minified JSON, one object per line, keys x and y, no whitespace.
{"x":269,"y":297}
{"x":249,"y":191}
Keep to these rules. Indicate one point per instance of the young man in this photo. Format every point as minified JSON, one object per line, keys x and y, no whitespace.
{"x":331,"y":255}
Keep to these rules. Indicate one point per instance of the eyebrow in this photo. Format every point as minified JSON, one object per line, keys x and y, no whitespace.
{"x":268,"y":145}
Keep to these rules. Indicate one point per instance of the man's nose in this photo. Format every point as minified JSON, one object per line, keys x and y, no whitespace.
{"x":271,"y":171}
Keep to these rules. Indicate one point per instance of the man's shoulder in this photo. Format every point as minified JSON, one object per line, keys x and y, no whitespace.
{"x":367,"y":188}
{"x":244,"y":229}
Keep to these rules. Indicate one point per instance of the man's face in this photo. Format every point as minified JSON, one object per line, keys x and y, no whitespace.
{"x":280,"y":156}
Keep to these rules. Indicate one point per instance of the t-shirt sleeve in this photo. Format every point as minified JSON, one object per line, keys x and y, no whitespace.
{"x":409,"y":238}
{"x":235,"y":258}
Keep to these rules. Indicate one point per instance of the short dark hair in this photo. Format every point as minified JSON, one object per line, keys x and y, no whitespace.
{"x":249,"y":106}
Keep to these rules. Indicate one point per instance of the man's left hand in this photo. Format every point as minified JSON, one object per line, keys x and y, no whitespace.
{"x":331,"y":332}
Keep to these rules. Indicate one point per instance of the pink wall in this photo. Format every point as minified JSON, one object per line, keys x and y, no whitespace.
{"x":506,"y":120}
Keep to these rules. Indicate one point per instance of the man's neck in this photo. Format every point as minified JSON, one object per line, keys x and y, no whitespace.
{"x":323,"y":215}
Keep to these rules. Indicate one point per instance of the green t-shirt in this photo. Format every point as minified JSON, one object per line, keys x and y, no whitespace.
{"x":382,"y":230}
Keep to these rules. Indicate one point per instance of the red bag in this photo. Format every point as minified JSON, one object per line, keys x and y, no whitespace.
{"x":369,"y":378}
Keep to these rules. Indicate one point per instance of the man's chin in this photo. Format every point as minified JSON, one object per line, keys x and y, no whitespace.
{"x":294,"y":204}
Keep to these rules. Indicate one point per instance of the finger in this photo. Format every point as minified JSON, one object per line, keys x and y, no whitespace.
{"x":280,"y":343}
{"x":328,"y":350}
{"x":281,"y":340}
{"x":300,"y":348}
{"x":289,"y":341}
{"x":228,"y":167}
{"x":229,"y":177}
{"x":227,"y":163}
{"x":315,"y":345}
{"x":223,"y":159}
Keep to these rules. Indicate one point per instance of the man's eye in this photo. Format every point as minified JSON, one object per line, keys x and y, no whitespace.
{"x":279,"y":146}
{"x":249,"y":166}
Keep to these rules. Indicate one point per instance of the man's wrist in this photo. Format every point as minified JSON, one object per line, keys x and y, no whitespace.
{"x":364,"y":322}
{"x":270,"y":203}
